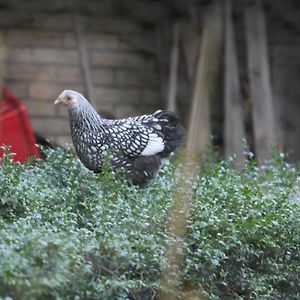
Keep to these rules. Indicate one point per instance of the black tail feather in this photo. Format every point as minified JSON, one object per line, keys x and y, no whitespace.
{"x":173,"y":132}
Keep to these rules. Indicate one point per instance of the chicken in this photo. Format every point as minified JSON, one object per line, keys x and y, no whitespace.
{"x":136,"y":144}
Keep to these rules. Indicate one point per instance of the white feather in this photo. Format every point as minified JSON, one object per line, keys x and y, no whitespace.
{"x":155,"y":145}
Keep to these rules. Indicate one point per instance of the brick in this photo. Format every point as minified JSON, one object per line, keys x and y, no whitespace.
{"x":116,"y":25}
{"x":117,"y":59}
{"x":99,"y":8}
{"x":23,"y":19}
{"x":149,"y":11}
{"x":44,"y":91}
{"x":43,"y":73}
{"x":40,"y":109}
{"x":146,"y":109}
{"x":3,"y":52}
{"x":57,"y":21}
{"x":69,"y":74}
{"x":125,"y":111}
{"x":20,"y":54}
{"x":33,"y":37}
{"x":150,"y":65}
{"x":2,"y":72}
{"x":19,"y":89}
{"x":106,"y":110}
{"x":151,"y":96}
{"x":2,"y":38}
{"x":101,"y":41}
{"x":29,"y":37}
{"x":61,"y":111}
{"x":137,"y":42}
{"x":39,"y":55}
{"x":132,"y":78}
{"x":51,"y":126}
{"x":116,"y":95}
{"x":36,"y":5}
{"x":55,"y":56}
{"x":19,"y":71}
{"x":69,"y":39}
{"x":12,"y":18}
{"x":103,"y":76}
{"x":49,"y":92}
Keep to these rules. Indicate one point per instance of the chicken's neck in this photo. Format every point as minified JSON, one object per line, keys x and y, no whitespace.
{"x":86,"y":118}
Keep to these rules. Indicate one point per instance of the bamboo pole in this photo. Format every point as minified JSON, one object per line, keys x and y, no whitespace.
{"x":177,"y":226}
{"x":234,"y":125}
{"x":199,"y":128}
{"x":260,"y":82}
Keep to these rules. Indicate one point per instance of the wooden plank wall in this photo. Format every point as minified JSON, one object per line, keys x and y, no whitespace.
{"x":260,"y":80}
{"x":234,"y":118}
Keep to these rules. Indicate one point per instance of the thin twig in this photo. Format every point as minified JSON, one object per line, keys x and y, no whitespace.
{"x":112,"y":273}
{"x":154,"y":293}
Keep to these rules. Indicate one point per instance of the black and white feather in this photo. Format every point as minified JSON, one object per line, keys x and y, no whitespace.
{"x":137,"y":143}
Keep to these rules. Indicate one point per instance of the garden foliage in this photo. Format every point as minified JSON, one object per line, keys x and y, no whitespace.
{"x":67,"y":233}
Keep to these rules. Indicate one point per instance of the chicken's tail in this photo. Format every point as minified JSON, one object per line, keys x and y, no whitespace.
{"x":172,"y":131}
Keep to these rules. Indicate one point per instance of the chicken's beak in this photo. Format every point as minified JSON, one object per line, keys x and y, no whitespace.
{"x":57,"y":101}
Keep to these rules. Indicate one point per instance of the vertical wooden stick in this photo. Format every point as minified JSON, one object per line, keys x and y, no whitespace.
{"x":179,"y":213}
{"x":260,"y":82}
{"x":84,"y":58}
{"x":163,"y":60}
{"x":190,"y":48}
{"x":199,"y":126}
{"x":234,"y":125}
{"x":173,"y":79}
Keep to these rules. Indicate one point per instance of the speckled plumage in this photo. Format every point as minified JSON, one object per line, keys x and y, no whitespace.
{"x":137,"y":143}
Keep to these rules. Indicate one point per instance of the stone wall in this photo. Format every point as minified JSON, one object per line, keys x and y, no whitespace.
{"x":43,"y":58}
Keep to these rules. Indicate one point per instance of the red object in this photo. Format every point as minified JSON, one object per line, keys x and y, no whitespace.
{"x":15,"y":128}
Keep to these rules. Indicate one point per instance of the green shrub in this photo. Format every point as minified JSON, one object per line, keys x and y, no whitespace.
{"x":67,"y":233}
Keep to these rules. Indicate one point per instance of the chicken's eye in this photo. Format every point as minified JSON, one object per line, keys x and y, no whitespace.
{"x":68,"y":98}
